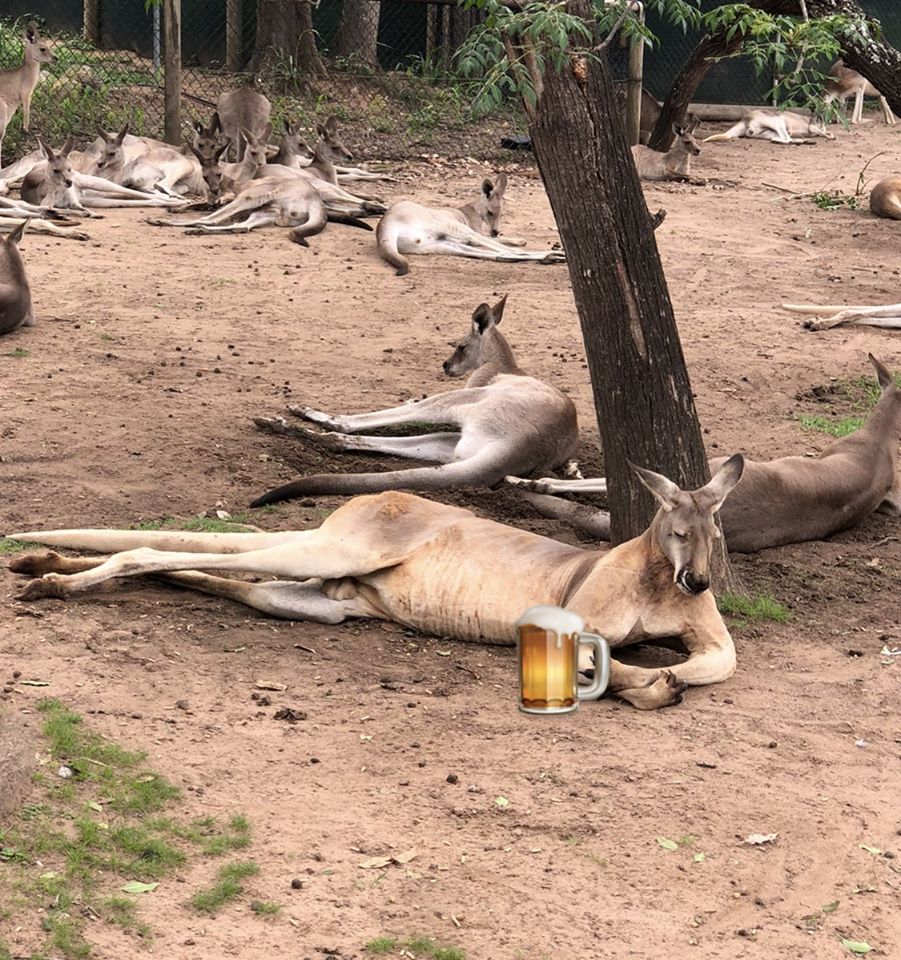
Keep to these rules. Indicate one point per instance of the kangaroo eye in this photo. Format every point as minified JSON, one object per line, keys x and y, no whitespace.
{"x":680,"y":534}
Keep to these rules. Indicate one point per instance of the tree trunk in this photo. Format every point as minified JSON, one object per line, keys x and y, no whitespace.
{"x":359,"y":31}
{"x":879,"y":62}
{"x":642,"y":394}
{"x":285,"y":28}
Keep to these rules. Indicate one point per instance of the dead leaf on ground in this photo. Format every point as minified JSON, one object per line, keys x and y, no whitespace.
{"x":755,"y":839}
{"x":270,"y":685}
{"x":376,"y":863}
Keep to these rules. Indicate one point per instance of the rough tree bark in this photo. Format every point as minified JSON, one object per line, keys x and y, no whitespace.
{"x":872,"y":59}
{"x":285,"y":27}
{"x":641,"y":389}
{"x":358,"y":31}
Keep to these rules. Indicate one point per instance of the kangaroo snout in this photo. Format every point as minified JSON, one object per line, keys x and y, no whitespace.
{"x":692,"y":583}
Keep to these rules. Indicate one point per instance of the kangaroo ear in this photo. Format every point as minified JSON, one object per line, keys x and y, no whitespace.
{"x":216,"y":123}
{"x":487,"y":188}
{"x":723,"y":482}
{"x":884,"y":377}
{"x":497,"y":311}
{"x":664,"y":491}
{"x":196,"y":153}
{"x":266,"y":134}
{"x":500,"y":184}
{"x":31,"y":33}
{"x":67,"y":146}
{"x":221,"y":149}
{"x":331,"y":126}
{"x":321,"y":131}
{"x":694,"y":124}
{"x":482,"y":318}
{"x":123,"y":133}
{"x":197,"y":125}
{"x":17,"y":234}
{"x":678,"y":129}
{"x":48,"y":153}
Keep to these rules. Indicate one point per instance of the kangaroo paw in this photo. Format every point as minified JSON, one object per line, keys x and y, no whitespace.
{"x":45,"y":588}
{"x":36,"y":564}
{"x":272,"y":424}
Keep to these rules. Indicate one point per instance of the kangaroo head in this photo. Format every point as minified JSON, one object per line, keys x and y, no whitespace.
{"x":211,"y":168}
{"x":490,"y":204}
{"x":37,"y":50}
{"x":891,"y":393}
{"x":685,"y":528}
{"x":476,"y":348}
{"x":685,"y":136}
{"x":9,"y":247}
{"x":58,"y":169}
{"x":255,"y":151}
{"x":111,"y":148}
{"x":330,"y":146}
{"x":208,"y":139}
{"x":293,"y":144}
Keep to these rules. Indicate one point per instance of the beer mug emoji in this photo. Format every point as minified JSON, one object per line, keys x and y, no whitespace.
{"x":549,"y":639}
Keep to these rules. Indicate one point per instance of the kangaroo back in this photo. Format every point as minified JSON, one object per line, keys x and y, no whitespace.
{"x":885,"y":198}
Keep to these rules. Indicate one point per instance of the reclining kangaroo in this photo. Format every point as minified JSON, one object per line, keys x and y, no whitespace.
{"x":788,"y":500}
{"x":675,"y":164}
{"x":444,"y":571}
{"x":508,"y":422}
{"x":471,"y":231}
{"x":15,"y":294}
{"x":778,"y":126}
{"x":887,"y":315}
{"x":327,"y":159}
{"x":885,"y":198}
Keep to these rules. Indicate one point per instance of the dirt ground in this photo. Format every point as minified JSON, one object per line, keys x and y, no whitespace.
{"x":151,"y":353}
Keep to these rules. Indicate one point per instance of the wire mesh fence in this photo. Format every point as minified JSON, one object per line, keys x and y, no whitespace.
{"x":385,"y":68}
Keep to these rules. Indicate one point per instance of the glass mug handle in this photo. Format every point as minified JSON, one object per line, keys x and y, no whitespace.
{"x":601,"y":666}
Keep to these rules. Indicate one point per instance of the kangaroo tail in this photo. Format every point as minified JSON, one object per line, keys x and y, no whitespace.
{"x":477,"y":471}
{"x":733,"y":133}
{"x":113,"y":541}
{"x":386,"y":238}
{"x":350,"y":221}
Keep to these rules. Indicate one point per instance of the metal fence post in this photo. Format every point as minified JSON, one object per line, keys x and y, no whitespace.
{"x":172,"y":67}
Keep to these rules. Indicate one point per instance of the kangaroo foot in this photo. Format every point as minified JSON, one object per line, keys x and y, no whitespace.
{"x":665,"y":691}
{"x":535,"y":486}
{"x":36,"y":564}
{"x":46,"y":588}
{"x":308,"y":413}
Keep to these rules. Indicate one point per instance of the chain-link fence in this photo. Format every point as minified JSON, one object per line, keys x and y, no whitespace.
{"x":385,"y":68}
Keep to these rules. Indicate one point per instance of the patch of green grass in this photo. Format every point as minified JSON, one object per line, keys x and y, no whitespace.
{"x":206,"y":833}
{"x":228,"y":886}
{"x":833,"y":200}
{"x":18,"y":353}
{"x":121,"y":912}
{"x":15,"y":546}
{"x":760,"y":607}
{"x":420,"y":947}
{"x":265,"y":907}
{"x":198,"y":524}
{"x":835,"y":428}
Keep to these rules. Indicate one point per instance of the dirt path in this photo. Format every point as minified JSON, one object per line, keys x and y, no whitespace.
{"x":133,"y":403}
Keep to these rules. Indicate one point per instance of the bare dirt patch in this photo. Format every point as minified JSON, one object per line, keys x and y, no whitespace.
{"x":152,"y":352}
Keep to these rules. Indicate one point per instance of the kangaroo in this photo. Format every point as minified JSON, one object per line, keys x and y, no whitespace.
{"x":844,"y":82}
{"x":146,"y":165}
{"x":778,"y":126}
{"x":242,"y":110}
{"x":651,"y":108}
{"x":15,"y":294}
{"x":885,"y":198}
{"x":294,"y":151}
{"x":507,"y":422}
{"x":470,"y":231}
{"x":888,"y":316}
{"x":444,"y":571}
{"x":17,"y":85}
{"x":791,"y":499}
{"x":675,"y":164}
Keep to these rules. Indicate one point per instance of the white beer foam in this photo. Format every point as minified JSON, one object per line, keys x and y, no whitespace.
{"x":555,"y":619}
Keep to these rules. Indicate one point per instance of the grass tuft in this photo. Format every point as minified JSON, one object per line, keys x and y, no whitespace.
{"x":424,"y":948}
{"x":835,"y":428}
{"x":760,"y":607}
{"x":228,"y":886}
{"x":200,"y":524}
{"x":265,"y":907}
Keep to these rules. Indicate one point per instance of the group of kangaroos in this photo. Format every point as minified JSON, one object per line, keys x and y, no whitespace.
{"x":391,"y":554}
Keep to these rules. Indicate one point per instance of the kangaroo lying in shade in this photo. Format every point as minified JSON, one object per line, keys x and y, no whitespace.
{"x":507,"y":422}
{"x":778,"y":126}
{"x":788,"y":500}
{"x":444,"y":571}
{"x":470,"y":231}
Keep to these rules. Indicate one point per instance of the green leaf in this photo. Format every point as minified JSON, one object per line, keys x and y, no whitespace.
{"x":699,"y":858}
{"x":874,"y":850}
{"x":135,"y":886}
{"x":859,"y":947}
{"x":667,"y":844}
{"x":830,"y":907}
{"x":502,"y":801}
{"x":94,"y":805}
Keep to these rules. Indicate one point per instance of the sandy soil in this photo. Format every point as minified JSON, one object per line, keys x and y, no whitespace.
{"x":151,"y":353}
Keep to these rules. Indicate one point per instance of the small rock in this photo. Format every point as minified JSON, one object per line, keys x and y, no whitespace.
{"x":297,"y":884}
{"x":17,"y":674}
{"x":182,"y":705}
{"x":453,"y":778}
{"x":289,"y":714}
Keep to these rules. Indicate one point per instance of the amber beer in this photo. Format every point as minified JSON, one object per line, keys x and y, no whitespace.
{"x":549,"y":639}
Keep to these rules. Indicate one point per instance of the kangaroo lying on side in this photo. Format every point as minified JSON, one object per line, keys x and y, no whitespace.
{"x":15,"y":294}
{"x":778,"y":126}
{"x":675,"y":164}
{"x":887,"y":315}
{"x":325,"y":159}
{"x":471,"y":231}
{"x":508,"y":422}
{"x":441,"y":570}
{"x":791,"y":499}
{"x":885,"y":198}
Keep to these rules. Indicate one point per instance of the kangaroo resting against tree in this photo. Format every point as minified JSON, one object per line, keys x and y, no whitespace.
{"x":507,"y":422}
{"x":788,"y":500}
{"x":442,"y":570}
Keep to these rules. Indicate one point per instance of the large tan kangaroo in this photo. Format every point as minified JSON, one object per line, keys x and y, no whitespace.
{"x":444,"y":571}
{"x":885,"y":198}
{"x":788,"y":500}
{"x":241,"y":110}
{"x":17,"y":85}
{"x":470,"y":231}
{"x":777,"y":126}
{"x":15,"y":294}
{"x":507,"y":423}
{"x":675,"y":164}
{"x":843,"y":82}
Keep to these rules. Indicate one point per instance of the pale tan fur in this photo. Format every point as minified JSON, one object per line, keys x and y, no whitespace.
{"x":885,"y":198}
{"x":506,"y":421}
{"x":777,"y":126}
{"x":887,"y":315}
{"x":675,"y":164}
{"x":441,"y":570}
{"x":844,"y":82}
{"x":17,"y":85}
{"x":790,"y":499}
